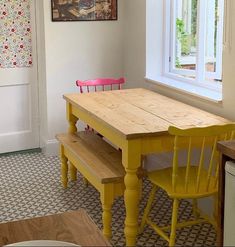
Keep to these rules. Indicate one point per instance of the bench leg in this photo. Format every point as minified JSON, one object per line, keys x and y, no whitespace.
{"x":85,"y":181}
{"x":73,"y":172}
{"x":64,"y":167}
{"x":107,"y":198}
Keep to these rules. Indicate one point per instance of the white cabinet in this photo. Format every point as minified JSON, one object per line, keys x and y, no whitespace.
{"x":229,"y":213}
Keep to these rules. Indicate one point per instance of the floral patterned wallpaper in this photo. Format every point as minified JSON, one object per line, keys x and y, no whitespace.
{"x":15,"y":34}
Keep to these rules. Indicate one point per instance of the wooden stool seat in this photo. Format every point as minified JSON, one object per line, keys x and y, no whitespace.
{"x":99,"y":163}
{"x":73,"y":227}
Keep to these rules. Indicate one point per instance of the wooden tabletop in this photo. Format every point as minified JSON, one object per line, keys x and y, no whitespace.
{"x":140,"y":112}
{"x":74,"y":227}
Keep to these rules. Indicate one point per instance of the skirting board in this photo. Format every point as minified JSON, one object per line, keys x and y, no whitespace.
{"x":50,"y":147}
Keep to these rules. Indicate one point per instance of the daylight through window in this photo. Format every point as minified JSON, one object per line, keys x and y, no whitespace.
{"x":194,"y":37}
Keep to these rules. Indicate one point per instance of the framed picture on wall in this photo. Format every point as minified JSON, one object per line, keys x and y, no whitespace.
{"x":83,"y":10}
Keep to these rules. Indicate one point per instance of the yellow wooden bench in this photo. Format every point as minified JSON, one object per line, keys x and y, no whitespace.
{"x":99,"y":163}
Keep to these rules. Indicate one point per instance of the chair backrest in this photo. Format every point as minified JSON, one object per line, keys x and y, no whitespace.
{"x":203,"y":139}
{"x":102,"y":83}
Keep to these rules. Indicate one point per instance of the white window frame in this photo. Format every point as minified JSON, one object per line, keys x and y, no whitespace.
{"x":169,"y":69}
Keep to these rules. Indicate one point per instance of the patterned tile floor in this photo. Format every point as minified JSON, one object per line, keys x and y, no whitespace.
{"x":30,"y":187}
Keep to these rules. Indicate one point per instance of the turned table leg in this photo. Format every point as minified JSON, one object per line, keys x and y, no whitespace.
{"x":131,"y":160}
{"x":72,"y":120}
{"x":132,"y":195}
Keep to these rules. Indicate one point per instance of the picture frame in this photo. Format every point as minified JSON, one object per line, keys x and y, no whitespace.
{"x":84,"y":10}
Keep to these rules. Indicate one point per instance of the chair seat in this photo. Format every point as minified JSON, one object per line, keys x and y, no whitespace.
{"x":163,"y":179}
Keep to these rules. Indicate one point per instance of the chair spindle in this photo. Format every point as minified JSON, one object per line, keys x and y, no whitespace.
{"x":175,"y":164}
{"x":232,"y":135}
{"x":212,"y":159}
{"x":188,"y":164}
{"x":200,"y":164}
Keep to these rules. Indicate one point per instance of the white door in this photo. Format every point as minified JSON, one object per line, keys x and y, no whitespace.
{"x":19,"y":128}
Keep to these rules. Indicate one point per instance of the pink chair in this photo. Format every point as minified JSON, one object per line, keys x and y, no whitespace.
{"x":100,"y":83}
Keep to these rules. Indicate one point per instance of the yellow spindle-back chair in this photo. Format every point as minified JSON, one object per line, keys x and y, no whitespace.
{"x":191,"y":181}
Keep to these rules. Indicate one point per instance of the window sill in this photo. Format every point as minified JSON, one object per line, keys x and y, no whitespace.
{"x":186,"y":88}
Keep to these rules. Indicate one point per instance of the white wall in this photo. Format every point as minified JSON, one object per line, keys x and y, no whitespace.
{"x":76,"y":50}
{"x":134,"y":45}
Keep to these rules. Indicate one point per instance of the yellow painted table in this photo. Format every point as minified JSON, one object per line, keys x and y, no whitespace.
{"x":137,"y":121}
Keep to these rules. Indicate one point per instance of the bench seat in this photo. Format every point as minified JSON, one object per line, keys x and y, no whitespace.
{"x":99,"y":163}
{"x":102,"y":160}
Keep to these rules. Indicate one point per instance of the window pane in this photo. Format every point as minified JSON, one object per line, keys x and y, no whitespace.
{"x":196,"y":33}
{"x":186,"y":36}
{"x":213,"y":40}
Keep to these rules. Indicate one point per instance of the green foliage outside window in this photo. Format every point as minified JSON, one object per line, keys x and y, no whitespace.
{"x":183,"y":37}
{"x":187,"y":41}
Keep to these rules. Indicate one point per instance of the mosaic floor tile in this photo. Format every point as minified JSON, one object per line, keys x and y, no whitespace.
{"x":30,"y":186}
